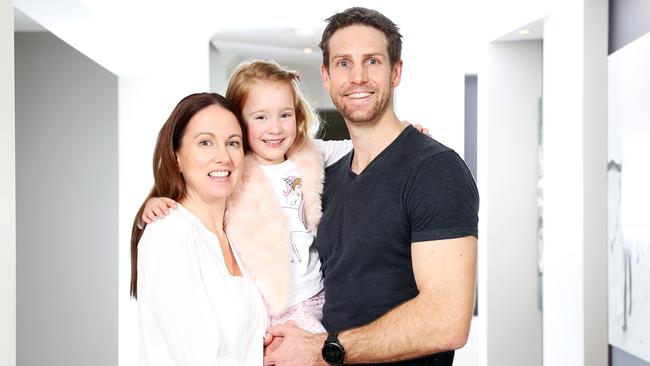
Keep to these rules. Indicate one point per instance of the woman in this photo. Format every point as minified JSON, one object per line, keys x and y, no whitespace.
{"x":195,"y":305}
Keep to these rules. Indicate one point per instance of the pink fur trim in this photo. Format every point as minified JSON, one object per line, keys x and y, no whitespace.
{"x":259,"y":228}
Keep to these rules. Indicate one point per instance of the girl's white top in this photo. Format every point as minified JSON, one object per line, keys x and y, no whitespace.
{"x":285,"y":179}
{"x":192,"y":311}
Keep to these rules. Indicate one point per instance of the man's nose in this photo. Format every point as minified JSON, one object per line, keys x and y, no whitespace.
{"x":359,"y":74}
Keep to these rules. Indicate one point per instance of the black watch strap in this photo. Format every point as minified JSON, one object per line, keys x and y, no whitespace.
{"x":333,"y":352}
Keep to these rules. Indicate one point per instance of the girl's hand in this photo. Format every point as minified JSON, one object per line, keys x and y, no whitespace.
{"x":157,"y":208}
{"x":418,"y":127}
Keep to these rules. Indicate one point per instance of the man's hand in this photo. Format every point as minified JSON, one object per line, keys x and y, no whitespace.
{"x":296,"y":347}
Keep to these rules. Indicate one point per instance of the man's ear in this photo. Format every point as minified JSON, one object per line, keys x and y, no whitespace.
{"x":396,"y":73}
{"x":326,"y":77}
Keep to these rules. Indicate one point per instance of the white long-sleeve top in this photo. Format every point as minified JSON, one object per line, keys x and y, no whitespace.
{"x":192,"y":311}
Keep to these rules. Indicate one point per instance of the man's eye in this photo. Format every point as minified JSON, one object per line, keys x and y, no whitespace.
{"x":373,"y":61}
{"x":343,"y":63}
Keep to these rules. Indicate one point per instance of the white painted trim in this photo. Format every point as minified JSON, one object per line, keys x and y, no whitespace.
{"x":508,"y":282}
{"x":7,"y":188}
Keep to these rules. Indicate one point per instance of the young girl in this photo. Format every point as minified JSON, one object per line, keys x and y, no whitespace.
{"x":272,"y":217}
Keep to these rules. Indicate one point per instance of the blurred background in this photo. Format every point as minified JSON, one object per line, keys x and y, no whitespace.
{"x":548,"y":102}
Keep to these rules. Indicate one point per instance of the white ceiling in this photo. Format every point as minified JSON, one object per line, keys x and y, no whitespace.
{"x":284,"y":45}
{"x":535,"y":30}
{"x":296,"y":38}
{"x":130,"y":37}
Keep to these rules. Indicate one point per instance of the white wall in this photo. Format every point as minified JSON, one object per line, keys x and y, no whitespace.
{"x":145,"y":103}
{"x":7,"y":189}
{"x":66,"y":189}
{"x":508,"y":286}
{"x":575,"y":262}
{"x":432,"y":91}
{"x":575,"y":257}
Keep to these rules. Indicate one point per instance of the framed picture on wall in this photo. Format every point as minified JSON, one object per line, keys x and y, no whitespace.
{"x":628,"y":176}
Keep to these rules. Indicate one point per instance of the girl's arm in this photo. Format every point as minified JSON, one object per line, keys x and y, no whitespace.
{"x":157,"y":208}
{"x":333,"y":150}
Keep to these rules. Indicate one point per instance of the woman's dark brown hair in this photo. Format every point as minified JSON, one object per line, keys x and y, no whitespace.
{"x":168,"y":181}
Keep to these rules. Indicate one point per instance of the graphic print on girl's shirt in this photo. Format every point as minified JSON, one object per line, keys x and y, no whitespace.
{"x":293,"y":200}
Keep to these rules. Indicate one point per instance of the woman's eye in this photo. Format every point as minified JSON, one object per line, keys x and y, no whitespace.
{"x":205,"y":143}
{"x":234,"y":143}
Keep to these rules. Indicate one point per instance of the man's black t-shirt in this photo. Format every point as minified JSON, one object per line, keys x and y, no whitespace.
{"x":415,"y":190}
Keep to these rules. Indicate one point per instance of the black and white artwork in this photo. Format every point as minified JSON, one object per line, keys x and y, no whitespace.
{"x":628,"y":176}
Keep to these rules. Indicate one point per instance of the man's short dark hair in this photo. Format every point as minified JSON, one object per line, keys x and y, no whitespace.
{"x":363,"y":16}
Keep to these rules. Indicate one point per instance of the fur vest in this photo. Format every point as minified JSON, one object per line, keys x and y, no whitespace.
{"x":259,"y":228}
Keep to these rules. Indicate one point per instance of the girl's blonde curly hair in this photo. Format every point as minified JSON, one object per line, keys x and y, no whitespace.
{"x":249,"y":72}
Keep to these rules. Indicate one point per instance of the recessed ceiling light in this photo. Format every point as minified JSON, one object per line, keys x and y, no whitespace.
{"x":524,"y":31}
{"x":308,"y":50}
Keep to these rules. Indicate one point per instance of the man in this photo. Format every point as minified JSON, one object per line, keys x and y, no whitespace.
{"x":397,"y":239}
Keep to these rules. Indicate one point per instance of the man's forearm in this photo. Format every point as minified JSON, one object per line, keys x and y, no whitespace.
{"x":416,"y":328}
{"x":436,"y":320}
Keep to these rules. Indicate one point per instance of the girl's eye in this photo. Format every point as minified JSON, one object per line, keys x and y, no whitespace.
{"x":260,"y":117}
{"x":286,"y":115}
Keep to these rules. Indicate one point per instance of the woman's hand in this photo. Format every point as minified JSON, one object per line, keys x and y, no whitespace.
{"x":418,"y":127}
{"x":157,"y":208}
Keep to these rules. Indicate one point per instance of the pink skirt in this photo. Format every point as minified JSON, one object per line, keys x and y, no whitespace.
{"x":307,"y":314}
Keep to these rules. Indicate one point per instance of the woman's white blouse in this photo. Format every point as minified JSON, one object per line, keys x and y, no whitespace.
{"x":192,"y":311}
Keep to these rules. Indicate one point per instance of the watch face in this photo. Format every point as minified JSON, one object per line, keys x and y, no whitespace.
{"x":332,"y":353}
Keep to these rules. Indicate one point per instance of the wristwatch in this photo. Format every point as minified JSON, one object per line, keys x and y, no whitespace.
{"x":333,"y":351}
